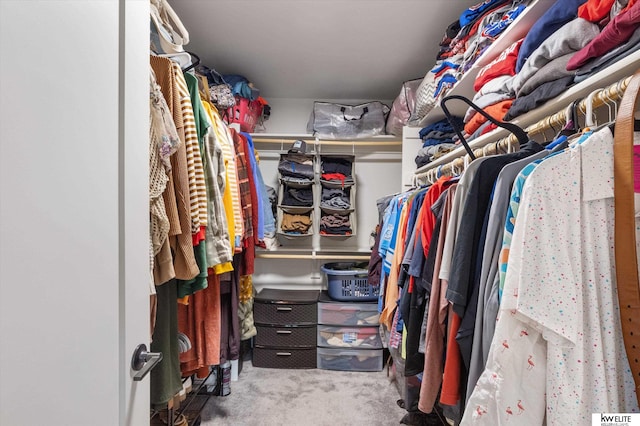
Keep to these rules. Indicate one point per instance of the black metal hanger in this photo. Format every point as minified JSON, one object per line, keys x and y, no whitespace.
{"x":195,"y":61}
{"x":520,"y":134}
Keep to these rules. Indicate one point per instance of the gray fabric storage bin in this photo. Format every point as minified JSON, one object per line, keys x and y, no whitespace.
{"x":337,"y":121}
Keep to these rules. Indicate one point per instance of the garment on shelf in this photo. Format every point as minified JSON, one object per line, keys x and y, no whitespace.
{"x":504,"y":64}
{"x":336,"y":198}
{"x":569,"y":38}
{"x":331,"y":165}
{"x":496,"y":111}
{"x":595,"y":10}
{"x":493,"y":30}
{"x":615,"y":33}
{"x":561,"y":12}
{"x":479,"y":39}
{"x":470,"y":15}
{"x":334,"y":224}
{"x":295,"y":223}
{"x":290,"y":167}
{"x":302,"y":197}
{"x":430,"y":153}
{"x":439,"y":132}
{"x":537,"y":97}
{"x":597,"y":64}
{"x":553,"y":70}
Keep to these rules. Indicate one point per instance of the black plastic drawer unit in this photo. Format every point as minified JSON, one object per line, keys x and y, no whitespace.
{"x":286,"y":321}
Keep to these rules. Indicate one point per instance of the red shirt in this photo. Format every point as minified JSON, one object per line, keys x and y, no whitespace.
{"x":616,"y":33}
{"x":505,"y":64}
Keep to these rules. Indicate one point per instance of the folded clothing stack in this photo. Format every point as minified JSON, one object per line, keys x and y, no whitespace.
{"x":337,"y":169}
{"x":336,"y":198}
{"x":571,"y":41}
{"x":544,"y":74}
{"x":298,"y":224}
{"x":587,"y":50}
{"x":335,"y":224}
{"x":495,"y":94}
{"x":430,"y":153}
{"x":297,"y":197}
{"x":463,"y":43}
{"x":296,"y":168}
{"x":437,"y":139}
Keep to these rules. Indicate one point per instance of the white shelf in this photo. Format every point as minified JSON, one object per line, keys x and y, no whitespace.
{"x":386,"y":143}
{"x":310,"y":254}
{"x":464,"y":87}
{"x":606,"y":77}
{"x":290,"y":137}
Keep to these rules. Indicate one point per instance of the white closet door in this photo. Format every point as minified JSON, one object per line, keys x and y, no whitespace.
{"x":73,"y":211}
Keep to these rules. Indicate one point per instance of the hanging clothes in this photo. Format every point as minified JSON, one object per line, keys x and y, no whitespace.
{"x":557,"y":302}
{"x":489,"y":280}
{"x":163,"y":142}
{"x":176,"y":196}
{"x":436,"y":317}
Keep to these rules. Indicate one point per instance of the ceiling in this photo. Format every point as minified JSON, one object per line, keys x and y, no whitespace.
{"x":319,"y":49}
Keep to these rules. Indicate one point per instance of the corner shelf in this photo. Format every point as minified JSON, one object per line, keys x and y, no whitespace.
{"x":608,"y":76}
{"x":464,"y":87}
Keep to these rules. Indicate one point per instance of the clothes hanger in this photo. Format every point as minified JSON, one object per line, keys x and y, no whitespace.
{"x":608,"y":101}
{"x":571,"y":125}
{"x":195,"y":61}
{"x":517,"y":131}
{"x":547,"y":126}
{"x":589,"y":120}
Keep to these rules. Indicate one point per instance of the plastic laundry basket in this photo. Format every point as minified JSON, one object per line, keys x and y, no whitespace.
{"x":348,"y":282}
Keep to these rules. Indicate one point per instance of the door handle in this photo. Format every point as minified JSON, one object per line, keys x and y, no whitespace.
{"x":142,"y":361}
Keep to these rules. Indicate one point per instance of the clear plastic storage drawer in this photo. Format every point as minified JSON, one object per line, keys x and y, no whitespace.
{"x":348,"y":313}
{"x":350,"y":359}
{"x":349,"y":337}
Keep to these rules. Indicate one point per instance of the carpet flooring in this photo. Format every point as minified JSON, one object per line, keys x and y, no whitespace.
{"x":274,"y":397}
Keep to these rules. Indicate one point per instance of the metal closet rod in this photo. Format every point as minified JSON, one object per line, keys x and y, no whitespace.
{"x":600,"y":98}
{"x":310,"y":256}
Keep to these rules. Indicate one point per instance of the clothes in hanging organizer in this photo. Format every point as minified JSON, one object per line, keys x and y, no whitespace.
{"x":296,"y":194}
{"x":336,"y":198}
{"x":337,"y":195}
{"x":296,"y":223}
{"x":299,"y":197}
{"x":335,"y":224}
{"x":298,"y":166}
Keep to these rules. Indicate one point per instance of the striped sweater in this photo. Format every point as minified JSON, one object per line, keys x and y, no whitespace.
{"x":195,"y":169}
